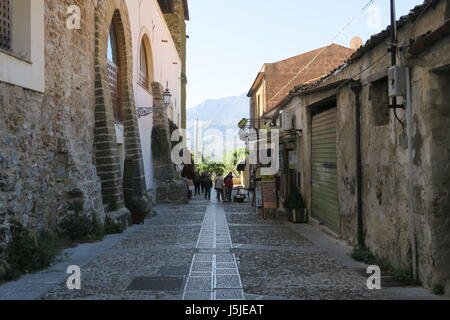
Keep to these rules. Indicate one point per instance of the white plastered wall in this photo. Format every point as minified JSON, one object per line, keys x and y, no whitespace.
{"x":24,"y":66}
{"x":147,"y":18}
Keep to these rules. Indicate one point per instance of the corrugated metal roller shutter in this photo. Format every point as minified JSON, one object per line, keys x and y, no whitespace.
{"x":325,"y":204}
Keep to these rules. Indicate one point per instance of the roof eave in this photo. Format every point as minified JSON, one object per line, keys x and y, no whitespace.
{"x":186,"y":10}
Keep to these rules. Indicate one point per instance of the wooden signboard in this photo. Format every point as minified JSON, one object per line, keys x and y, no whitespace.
{"x":269,"y":192}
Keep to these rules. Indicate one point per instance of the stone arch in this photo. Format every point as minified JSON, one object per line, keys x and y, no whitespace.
{"x":118,"y":190}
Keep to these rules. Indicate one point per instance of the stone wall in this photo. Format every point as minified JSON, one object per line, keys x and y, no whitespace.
{"x":60,"y":146}
{"x":405,"y":186}
{"x":47,"y":139}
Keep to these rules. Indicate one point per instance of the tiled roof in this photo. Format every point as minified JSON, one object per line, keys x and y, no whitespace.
{"x":375,"y":40}
{"x":278,"y":74}
{"x":414,"y":14}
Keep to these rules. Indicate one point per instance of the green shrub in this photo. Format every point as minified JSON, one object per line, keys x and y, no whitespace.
{"x":294,"y":201}
{"x":366,"y":256}
{"x":438,"y":289}
{"x":98,"y":229}
{"x":76,"y":206}
{"x":28,"y":254}
{"x":113,"y":228}
{"x":76,"y":227}
{"x":363,"y":255}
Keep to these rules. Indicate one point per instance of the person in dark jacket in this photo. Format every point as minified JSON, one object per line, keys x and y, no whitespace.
{"x":203,"y":181}
{"x":197,"y":183}
{"x":208,"y":184}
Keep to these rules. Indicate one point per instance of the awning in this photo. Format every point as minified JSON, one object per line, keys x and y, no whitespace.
{"x":241,"y":166}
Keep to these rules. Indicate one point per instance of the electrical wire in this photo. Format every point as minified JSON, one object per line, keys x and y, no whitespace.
{"x":371,"y":2}
{"x":364,"y":70}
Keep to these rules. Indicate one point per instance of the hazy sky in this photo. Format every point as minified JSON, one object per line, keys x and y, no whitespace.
{"x":231,"y":39}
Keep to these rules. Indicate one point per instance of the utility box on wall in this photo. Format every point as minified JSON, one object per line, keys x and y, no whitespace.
{"x":397,"y":81}
{"x":287,"y":118}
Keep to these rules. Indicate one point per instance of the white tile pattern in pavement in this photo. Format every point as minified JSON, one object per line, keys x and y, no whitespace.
{"x":214,"y":273}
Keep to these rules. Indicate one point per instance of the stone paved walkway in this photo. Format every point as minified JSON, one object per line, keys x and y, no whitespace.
{"x":214,"y":273}
{"x":210,"y":251}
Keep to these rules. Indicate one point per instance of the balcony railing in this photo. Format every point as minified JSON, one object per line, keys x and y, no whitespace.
{"x":143,"y":80}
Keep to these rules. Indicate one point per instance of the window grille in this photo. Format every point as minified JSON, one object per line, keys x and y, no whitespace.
{"x":143,"y":80}
{"x":113,"y":81}
{"x":5,"y":25}
{"x":143,"y":68}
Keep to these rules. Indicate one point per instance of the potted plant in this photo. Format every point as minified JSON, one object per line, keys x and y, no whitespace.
{"x":296,"y":208}
{"x":139,"y":210}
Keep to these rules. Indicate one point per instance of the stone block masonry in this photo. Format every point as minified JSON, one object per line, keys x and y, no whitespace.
{"x":59,"y":146}
{"x":47,"y":139}
{"x":170,"y":188}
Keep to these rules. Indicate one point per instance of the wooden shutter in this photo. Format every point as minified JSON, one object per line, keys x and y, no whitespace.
{"x":325,"y":204}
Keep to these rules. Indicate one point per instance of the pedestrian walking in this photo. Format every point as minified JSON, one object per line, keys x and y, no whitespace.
{"x":228,"y":186}
{"x":208,"y":184}
{"x":197,"y":183}
{"x":218,"y":185}
{"x":203,"y":181}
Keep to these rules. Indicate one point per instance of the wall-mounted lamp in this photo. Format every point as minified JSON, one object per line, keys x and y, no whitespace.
{"x":167,"y":98}
{"x":146,"y":111}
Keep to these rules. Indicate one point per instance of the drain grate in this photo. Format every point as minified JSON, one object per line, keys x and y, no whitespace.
{"x":173,"y":271}
{"x":156,"y":284}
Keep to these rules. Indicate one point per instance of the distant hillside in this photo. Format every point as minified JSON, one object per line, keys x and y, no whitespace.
{"x":221,"y":115}
{"x":220,"y":109}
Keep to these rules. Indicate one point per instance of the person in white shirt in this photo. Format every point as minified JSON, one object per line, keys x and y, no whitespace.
{"x":218,"y":185}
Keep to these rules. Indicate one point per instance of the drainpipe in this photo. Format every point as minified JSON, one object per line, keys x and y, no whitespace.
{"x":356,"y":88}
{"x":411,"y":176}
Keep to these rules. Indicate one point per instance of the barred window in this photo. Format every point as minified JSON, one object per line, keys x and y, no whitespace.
{"x":143,"y":67}
{"x":5,"y":25}
{"x":113,"y":74}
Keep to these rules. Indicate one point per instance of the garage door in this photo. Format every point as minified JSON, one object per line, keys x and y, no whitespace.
{"x":325,"y":205}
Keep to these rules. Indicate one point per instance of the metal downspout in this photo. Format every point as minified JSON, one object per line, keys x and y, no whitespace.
{"x":411,"y":176}
{"x":356,"y":88}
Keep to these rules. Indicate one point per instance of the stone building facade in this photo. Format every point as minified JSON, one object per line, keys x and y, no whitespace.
{"x":374,"y":177}
{"x":58,"y":130}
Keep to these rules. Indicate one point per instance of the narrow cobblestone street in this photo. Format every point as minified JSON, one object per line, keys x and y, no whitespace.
{"x":213,"y":251}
